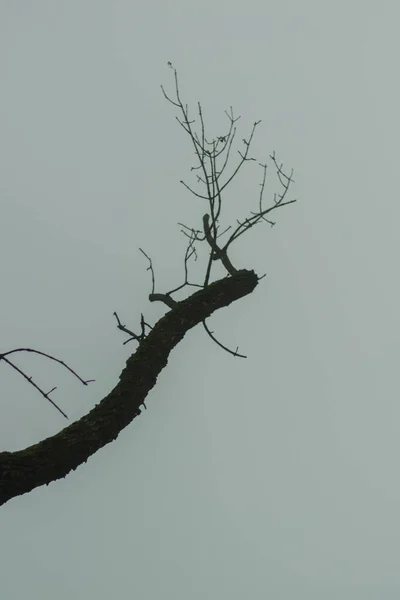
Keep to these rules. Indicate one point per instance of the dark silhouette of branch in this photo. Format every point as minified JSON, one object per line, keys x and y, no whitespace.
{"x":208,"y":154}
{"x":210,"y":333}
{"x":54,"y":457}
{"x":30,"y":379}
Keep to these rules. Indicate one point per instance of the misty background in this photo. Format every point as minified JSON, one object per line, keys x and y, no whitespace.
{"x":271,"y":477}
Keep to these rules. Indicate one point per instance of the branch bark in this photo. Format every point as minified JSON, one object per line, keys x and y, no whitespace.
{"x":54,"y":457}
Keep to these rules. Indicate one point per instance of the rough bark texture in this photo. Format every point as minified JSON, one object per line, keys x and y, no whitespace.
{"x":54,"y":457}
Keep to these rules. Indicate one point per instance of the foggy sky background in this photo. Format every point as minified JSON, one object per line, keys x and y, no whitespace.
{"x":270,"y":477}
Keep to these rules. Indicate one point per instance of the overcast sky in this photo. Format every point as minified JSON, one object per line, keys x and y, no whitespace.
{"x":271,"y":477}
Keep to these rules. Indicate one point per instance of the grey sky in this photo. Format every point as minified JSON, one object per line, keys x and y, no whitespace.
{"x":272,"y":477}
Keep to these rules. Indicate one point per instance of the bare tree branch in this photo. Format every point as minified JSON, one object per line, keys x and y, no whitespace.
{"x":30,"y":379}
{"x":210,"y":333}
{"x":208,"y":153}
{"x":55,"y":457}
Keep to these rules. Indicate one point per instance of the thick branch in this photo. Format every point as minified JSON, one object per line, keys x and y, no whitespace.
{"x":55,"y":457}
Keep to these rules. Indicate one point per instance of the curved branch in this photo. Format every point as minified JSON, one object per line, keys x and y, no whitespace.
{"x":210,"y":333}
{"x":30,"y":379}
{"x":216,"y":252}
{"x":54,"y":457}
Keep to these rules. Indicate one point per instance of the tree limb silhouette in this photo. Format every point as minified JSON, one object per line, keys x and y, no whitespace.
{"x":54,"y":457}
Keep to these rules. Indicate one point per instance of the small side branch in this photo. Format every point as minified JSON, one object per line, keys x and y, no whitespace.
{"x":235,"y":353}
{"x":213,"y":156}
{"x":216,"y":252}
{"x":278,"y":201}
{"x":29,"y":379}
{"x":167,"y":297}
{"x":134,"y":336}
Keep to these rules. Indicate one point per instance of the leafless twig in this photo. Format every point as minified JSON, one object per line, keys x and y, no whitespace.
{"x":30,"y":379}
{"x":213,"y":156}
